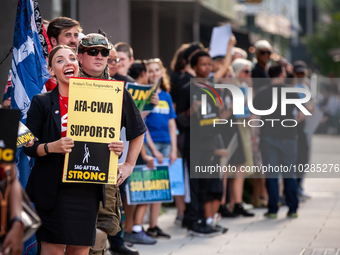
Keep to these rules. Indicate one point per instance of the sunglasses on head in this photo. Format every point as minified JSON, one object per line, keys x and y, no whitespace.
{"x":246,"y":71}
{"x":153,"y":60}
{"x":265,"y":52}
{"x":115,"y":60}
{"x":95,"y":52}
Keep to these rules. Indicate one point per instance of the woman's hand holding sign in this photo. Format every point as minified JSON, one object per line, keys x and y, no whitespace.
{"x":63,"y":145}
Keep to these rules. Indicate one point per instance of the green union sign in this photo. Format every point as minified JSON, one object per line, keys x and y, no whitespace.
{"x":149,"y":186}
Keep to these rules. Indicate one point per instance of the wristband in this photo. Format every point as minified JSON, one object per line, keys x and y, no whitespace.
{"x":46,"y":149}
{"x":14,"y":220}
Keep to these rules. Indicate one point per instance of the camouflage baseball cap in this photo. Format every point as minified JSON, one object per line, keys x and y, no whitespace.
{"x":94,"y":40}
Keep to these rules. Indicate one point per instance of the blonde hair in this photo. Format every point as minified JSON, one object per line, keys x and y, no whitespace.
{"x":241,"y":51}
{"x":165,"y":85}
{"x":178,"y":61}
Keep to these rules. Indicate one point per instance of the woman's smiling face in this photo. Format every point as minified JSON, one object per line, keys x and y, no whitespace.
{"x":154,"y":72}
{"x":64,"y":66}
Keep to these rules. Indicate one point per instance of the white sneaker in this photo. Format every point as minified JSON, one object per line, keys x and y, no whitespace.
{"x":247,"y":206}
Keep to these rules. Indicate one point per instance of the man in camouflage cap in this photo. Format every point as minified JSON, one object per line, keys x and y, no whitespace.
{"x":94,"y":40}
{"x":93,"y":52}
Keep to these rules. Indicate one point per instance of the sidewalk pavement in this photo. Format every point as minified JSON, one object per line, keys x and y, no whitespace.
{"x":315,"y":231}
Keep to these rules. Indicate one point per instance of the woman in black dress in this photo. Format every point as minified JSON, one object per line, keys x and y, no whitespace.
{"x":68,"y":210}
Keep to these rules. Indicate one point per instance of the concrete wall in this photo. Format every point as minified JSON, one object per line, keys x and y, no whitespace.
{"x":112,"y":16}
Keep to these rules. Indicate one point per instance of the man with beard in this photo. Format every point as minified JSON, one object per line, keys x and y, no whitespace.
{"x":65,"y":31}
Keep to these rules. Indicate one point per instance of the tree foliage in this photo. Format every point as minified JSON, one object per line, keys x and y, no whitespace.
{"x":326,"y":38}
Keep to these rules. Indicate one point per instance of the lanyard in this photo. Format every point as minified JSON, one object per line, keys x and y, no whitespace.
{"x":63,"y":101}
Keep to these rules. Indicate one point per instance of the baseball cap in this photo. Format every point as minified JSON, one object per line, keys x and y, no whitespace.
{"x":299,"y":66}
{"x":94,"y":40}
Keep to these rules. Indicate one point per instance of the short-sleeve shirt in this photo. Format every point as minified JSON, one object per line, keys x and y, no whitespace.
{"x":157,"y":121}
{"x":128,"y":125}
{"x":131,"y":118}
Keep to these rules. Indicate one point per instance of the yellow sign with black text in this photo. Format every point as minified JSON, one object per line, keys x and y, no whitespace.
{"x":94,"y":120}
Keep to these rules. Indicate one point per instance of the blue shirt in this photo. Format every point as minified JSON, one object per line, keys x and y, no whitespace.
{"x":157,"y":121}
{"x":302,"y":86}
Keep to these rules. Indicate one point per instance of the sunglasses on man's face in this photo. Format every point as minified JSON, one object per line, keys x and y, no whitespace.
{"x":95,"y":52}
{"x":113,"y":60}
{"x":265,"y":52}
{"x":246,"y":71}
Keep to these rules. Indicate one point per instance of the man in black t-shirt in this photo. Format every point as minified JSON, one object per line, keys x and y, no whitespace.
{"x":278,"y":143}
{"x":93,"y":54}
{"x":179,"y":79}
{"x":200,"y":136}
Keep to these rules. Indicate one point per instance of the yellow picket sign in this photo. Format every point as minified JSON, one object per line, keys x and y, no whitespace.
{"x":94,"y":120}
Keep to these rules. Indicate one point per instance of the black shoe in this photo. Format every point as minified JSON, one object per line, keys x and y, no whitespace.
{"x":157,"y":232}
{"x":185,"y":223}
{"x":198,"y":228}
{"x":219,"y":228}
{"x":123,"y":250}
{"x":239,"y":210}
{"x":223,"y":210}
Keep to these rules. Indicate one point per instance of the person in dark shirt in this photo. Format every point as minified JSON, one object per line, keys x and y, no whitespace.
{"x":199,"y":150}
{"x":278,"y":143}
{"x":133,"y":129}
{"x":263,"y":50}
{"x":181,"y":77}
{"x":177,"y":67}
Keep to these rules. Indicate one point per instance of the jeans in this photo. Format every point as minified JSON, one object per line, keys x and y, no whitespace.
{"x":277,"y":152}
{"x":164,"y":148}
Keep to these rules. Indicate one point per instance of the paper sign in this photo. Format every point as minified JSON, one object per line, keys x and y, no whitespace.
{"x":141,"y":94}
{"x":176,"y":175}
{"x":94,"y":120}
{"x":24,"y":135}
{"x":219,"y":40}
{"x":147,"y":186}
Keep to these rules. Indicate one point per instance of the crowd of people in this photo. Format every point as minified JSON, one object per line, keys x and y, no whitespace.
{"x":165,"y":132}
